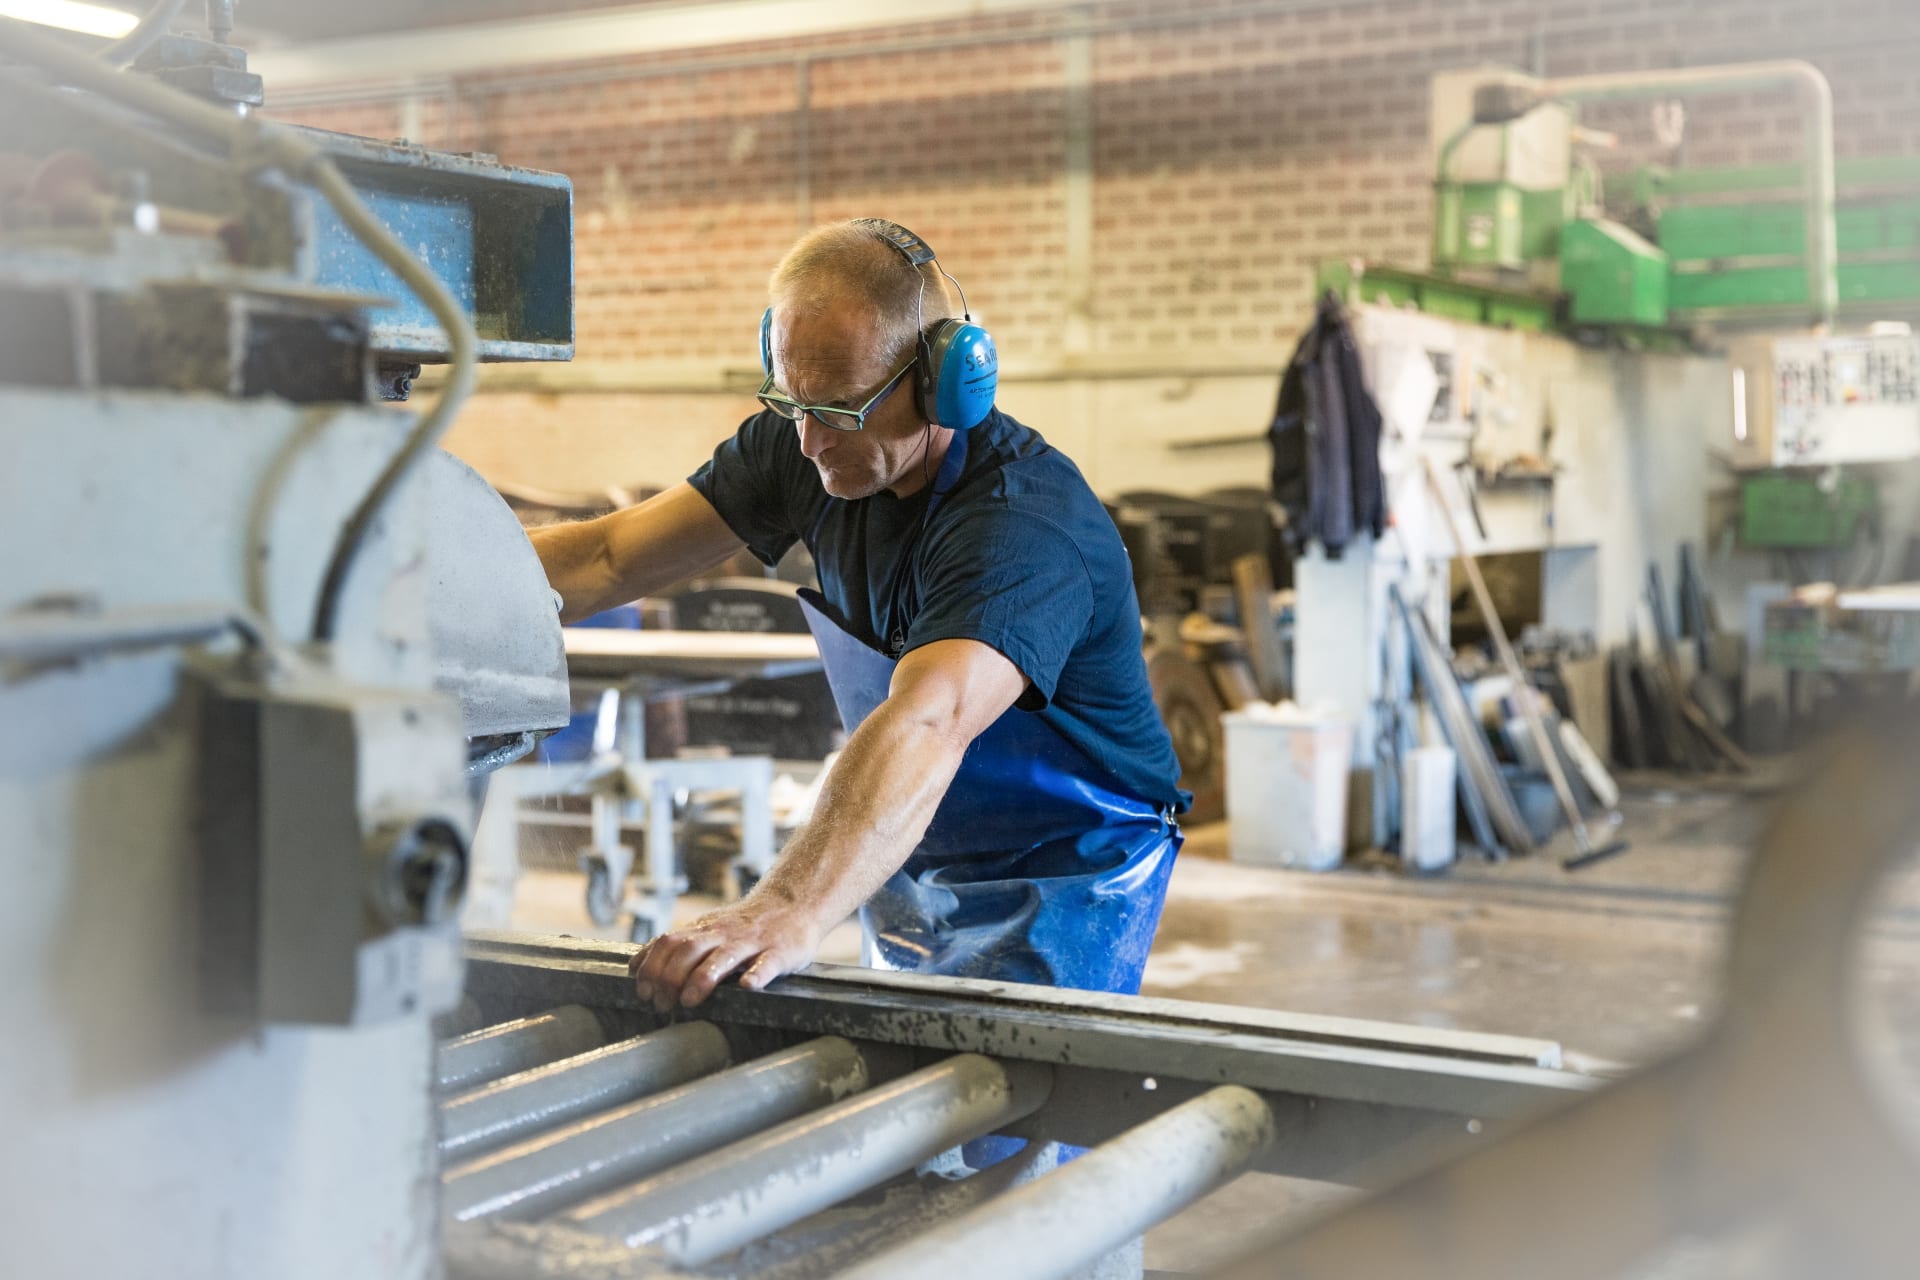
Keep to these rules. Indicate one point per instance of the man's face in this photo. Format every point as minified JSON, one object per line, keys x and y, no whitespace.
{"x":835,"y":359}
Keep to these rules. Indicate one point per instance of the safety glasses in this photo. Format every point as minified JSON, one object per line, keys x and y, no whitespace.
{"x":829,"y":415}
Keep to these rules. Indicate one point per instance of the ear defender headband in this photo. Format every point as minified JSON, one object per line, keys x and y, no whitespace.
{"x":957,"y":371}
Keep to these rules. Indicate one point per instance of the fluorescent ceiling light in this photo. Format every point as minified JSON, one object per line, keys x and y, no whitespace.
{"x":71,"y":15}
{"x":658,"y":27}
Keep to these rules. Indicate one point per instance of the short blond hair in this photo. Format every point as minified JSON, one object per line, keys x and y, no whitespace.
{"x":841,"y":261}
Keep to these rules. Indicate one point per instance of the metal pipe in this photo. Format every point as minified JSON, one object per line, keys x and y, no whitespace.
{"x":740,"y":1193}
{"x":50,"y":634}
{"x":1057,"y":1224}
{"x":472,"y":1060}
{"x":501,"y":753}
{"x":1816,"y":96}
{"x":608,"y":1151}
{"x":496,"y":1114}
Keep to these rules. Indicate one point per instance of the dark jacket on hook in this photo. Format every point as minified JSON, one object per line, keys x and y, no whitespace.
{"x":1326,"y":439}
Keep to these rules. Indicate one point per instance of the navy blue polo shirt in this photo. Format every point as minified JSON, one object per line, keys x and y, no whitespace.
{"x":1017,"y":554}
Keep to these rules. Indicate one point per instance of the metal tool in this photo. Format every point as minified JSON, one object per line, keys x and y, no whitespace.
{"x":1523,"y":689}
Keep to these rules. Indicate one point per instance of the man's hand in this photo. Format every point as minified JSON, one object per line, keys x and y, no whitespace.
{"x":760,"y":940}
{"x":874,"y":806}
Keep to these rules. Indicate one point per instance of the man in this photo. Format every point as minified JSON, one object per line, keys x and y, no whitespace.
{"x":1004,"y":804}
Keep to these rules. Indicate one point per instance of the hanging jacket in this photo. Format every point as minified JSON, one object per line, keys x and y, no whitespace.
{"x":1326,"y":439}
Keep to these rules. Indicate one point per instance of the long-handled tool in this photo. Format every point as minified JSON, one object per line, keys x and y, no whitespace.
{"x":1523,"y":689}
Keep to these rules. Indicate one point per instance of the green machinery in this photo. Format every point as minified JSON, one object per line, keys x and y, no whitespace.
{"x":1523,"y":236}
{"x":1734,"y":243}
{"x":1729,"y":245}
{"x":1719,"y":244}
{"x":1526,"y":235}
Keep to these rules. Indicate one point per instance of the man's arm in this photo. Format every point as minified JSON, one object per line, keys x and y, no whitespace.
{"x":874,"y":808}
{"x":635,"y":552}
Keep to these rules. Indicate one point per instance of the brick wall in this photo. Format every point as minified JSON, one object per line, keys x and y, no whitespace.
{"x":1229,"y":156}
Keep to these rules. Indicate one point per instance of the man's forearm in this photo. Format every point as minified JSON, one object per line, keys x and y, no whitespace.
{"x":874,"y":808}
{"x":596,"y":564}
{"x":577,"y":564}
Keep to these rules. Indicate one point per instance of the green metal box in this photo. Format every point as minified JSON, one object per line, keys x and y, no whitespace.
{"x":1793,"y":510}
{"x":1611,"y":275}
{"x":1495,"y":224}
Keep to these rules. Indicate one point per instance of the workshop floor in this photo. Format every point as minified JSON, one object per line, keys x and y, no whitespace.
{"x":1617,"y":962}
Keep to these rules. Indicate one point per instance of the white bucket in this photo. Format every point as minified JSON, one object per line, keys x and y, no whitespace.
{"x":1287,"y":786}
{"x":1426,"y":809}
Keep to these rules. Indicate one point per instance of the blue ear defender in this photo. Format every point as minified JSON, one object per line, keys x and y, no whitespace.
{"x":958,"y":370}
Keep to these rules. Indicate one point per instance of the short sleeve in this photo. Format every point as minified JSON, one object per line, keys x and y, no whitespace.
{"x":747,"y":482}
{"x":1014,"y":581}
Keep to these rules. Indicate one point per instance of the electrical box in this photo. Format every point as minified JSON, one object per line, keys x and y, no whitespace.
{"x":334,"y":852}
{"x":1807,"y":401}
{"x":1801,"y":510}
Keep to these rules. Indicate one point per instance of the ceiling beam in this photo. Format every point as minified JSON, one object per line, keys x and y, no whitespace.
{"x":603,"y":33}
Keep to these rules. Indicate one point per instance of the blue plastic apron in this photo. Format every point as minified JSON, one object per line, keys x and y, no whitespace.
{"x":1035,"y":868}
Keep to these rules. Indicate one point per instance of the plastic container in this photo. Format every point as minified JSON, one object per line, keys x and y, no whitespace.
{"x":1287,"y":786}
{"x":1427,"y":805}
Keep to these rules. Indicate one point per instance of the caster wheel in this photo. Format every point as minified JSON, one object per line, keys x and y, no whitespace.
{"x":603,"y":899}
{"x":641,"y":930}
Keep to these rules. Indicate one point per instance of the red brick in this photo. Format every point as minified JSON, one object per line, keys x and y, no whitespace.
{"x":1230,"y":156}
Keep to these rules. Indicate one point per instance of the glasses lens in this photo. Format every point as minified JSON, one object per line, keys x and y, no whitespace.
{"x":786,"y":409}
{"x":838,"y":419}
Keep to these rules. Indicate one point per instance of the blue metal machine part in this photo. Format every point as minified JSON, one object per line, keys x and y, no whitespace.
{"x":85,"y":169}
{"x":500,"y":237}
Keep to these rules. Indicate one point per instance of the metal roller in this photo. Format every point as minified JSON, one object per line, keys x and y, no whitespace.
{"x":735,"y":1195}
{"x":518,"y":1105}
{"x":1059,"y":1223}
{"x":473,"y":1060}
{"x":460,"y":1020}
{"x":564,"y":1166}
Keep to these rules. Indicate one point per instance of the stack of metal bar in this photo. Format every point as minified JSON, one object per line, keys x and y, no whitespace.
{"x":833,"y":1126}
{"x":1665,"y":716}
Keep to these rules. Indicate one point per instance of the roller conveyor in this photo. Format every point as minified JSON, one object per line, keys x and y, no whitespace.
{"x":493,"y":1115}
{"x":488,"y":1054}
{"x":818,"y":1128}
{"x":623,"y":1145}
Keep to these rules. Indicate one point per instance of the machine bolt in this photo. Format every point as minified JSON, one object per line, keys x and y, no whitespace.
{"x":220,"y":18}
